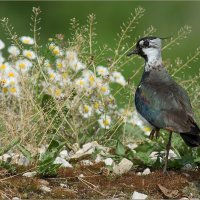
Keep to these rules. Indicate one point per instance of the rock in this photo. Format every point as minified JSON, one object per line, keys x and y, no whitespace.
{"x":187,"y":167}
{"x":153,"y":155}
{"x":62,"y":161}
{"x":64,"y":154}
{"x":63,"y":185}
{"x":146,"y":171}
{"x":108,"y":161}
{"x":132,"y":146}
{"x":6,"y":157}
{"x":88,"y":149}
{"x":16,"y":198}
{"x":123,"y":167}
{"x":86,"y":162}
{"x":172,"y":154}
{"x":137,"y":195}
{"x":45,"y":189}
{"x":23,"y":161}
{"x":81,"y":175}
{"x":98,"y":159}
{"x":30,"y":174}
{"x":43,"y":182}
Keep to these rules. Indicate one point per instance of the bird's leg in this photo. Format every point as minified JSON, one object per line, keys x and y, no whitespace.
{"x":167,"y":152}
{"x":151,"y":136}
{"x":154,"y":132}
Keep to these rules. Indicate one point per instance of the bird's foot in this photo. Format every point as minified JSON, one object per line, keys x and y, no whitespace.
{"x":154,"y":133}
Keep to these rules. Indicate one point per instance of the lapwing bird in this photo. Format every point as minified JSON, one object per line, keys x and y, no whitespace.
{"x":160,"y":100}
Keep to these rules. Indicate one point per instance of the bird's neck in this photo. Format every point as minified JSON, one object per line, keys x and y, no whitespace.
{"x":153,"y":61}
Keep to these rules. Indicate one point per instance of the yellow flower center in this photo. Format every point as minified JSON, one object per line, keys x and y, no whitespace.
{"x":29,"y":54}
{"x":22,"y":65}
{"x":11,"y":74}
{"x":52,"y":76}
{"x":59,"y":65}
{"x":64,"y":75}
{"x":56,"y":51}
{"x":103,"y":89}
{"x":96,"y":105}
{"x":3,"y":67}
{"x":106,"y":122}
{"x":86,"y":109}
{"x":3,"y":81}
{"x":57,"y":92}
{"x":91,"y":79}
{"x":4,"y":90}
{"x":13,"y":90}
{"x":26,"y":41}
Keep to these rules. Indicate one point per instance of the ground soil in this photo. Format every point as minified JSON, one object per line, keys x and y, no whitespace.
{"x":96,"y":182}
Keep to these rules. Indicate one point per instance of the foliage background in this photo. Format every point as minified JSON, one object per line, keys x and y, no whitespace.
{"x":166,"y":17}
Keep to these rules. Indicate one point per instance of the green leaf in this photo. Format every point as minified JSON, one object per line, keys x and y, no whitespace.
{"x":24,"y":151}
{"x":120,"y":150}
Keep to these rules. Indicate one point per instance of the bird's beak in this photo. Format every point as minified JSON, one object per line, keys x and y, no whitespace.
{"x":135,"y":51}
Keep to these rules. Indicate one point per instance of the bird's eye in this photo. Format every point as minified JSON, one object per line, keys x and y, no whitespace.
{"x":146,"y":43}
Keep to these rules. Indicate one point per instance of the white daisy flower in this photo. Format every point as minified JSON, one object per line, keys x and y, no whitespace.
{"x":85,"y":110}
{"x":105,"y":121}
{"x":90,"y":78}
{"x":102,"y":71}
{"x":23,"y":65}
{"x":14,"y":90}
{"x":81,"y":82}
{"x":56,"y":92}
{"x":29,"y":54}
{"x":98,"y":107}
{"x":2,"y":45}
{"x":104,"y":89}
{"x":77,"y":66}
{"x":4,"y":67}
{"x":71,"y":57}
{"x":53,"y":76}
{"x":117,"y":77}
{"x":47,"y":63}
{"x":55,"y":50}
{"x":27,"y":40}
{"x":13,"y":51}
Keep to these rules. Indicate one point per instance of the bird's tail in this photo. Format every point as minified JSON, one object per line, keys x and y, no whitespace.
{"x":192,"y":138}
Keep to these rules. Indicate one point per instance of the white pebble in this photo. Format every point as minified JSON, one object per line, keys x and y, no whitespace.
{"x":108,"y":161}
{"x":137,"y":195}
{"x":62,"y":161}
{"x":30,"y":174}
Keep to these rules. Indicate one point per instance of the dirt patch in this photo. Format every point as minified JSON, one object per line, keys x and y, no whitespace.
{"x":95,"y":181}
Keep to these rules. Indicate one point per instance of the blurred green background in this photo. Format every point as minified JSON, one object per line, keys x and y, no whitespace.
{"x":167,"y":17}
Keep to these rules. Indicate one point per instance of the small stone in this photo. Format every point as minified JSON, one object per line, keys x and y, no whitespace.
{"x":86,"y":162}
{"x":64,"y":185}
{"x":30,"y":174}
{"x":23,"y":161}
{"x":123,"y":167}
{"x":98,"y":159}
{"x":45,"y":188}
{"x":139,"y":173}
{"x":16,"y":198}
{"x":81,"y":175}
{"x":64,"y":154}
{"x":153,"y":155}
{"x":62,"y":161}
{"x":132,"y":146}
{"x":43,"y":182}
{"x":137,"y":195}
{"x":187,"y":167}
{"x":146,"y":171}
{"x":6,"y":157}
{"x":108,"y":161}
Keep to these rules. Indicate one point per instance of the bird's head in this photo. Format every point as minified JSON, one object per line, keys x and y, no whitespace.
{"x":148,"y":47}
